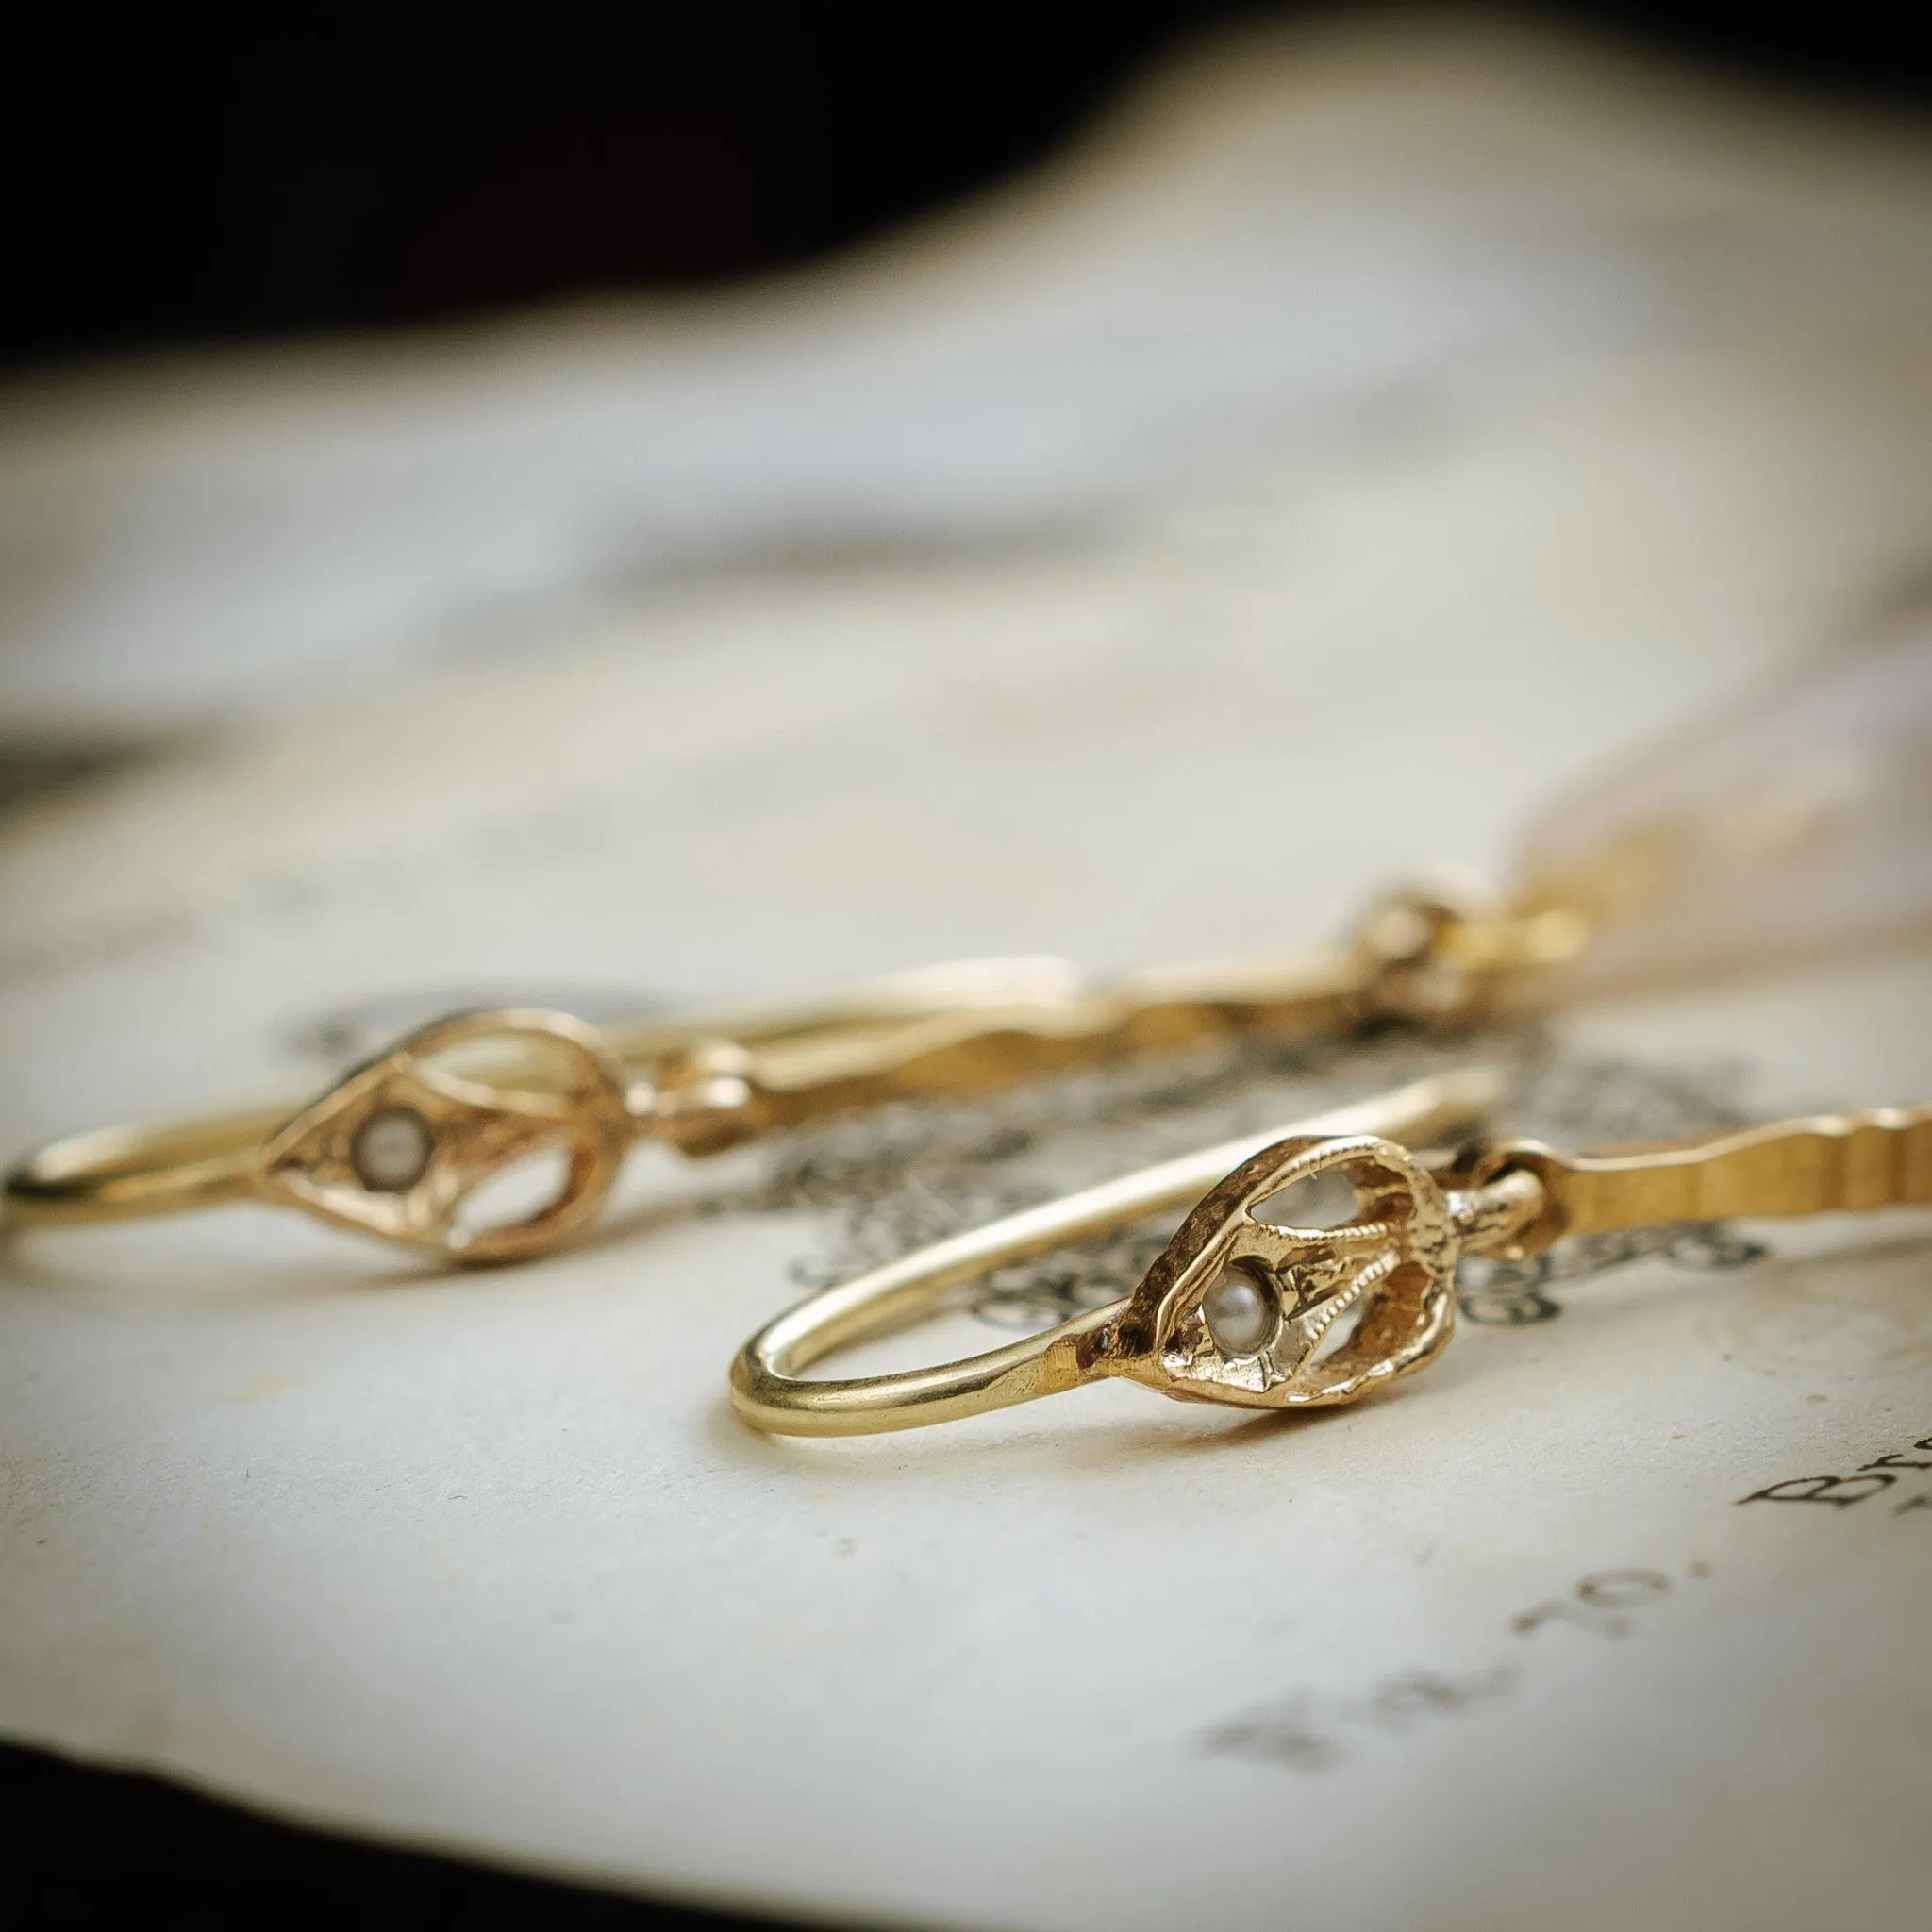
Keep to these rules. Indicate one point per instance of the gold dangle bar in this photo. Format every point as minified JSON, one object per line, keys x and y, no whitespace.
{"x":1830,"y":1163}
{"x":1417,"y":959}
{"x":956,"y":1055}
{"x":892,"y":1000}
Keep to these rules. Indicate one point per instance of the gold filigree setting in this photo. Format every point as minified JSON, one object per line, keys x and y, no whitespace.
{"x":1353,"y":1305}
{"x":399,"y":1146}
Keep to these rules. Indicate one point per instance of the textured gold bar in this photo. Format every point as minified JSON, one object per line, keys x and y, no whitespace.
{"x":1830,"y":1163}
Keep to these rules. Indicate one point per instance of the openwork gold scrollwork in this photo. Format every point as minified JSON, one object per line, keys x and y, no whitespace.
{"x":399,"y":1147}
{"x":1239,"y":1310}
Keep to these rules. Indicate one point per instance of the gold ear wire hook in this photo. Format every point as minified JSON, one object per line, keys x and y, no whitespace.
{"x":683,"y":1080}
{"x":1239,"y":1310}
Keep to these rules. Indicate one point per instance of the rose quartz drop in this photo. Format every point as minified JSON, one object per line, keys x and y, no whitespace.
{"x":1796,"y":825}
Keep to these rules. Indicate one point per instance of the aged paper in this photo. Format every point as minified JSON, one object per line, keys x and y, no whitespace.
{"x":483,"y":1560}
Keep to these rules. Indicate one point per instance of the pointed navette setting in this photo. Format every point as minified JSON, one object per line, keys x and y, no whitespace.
{"x":1326,"y":1312}
{"x":404,"y":1142}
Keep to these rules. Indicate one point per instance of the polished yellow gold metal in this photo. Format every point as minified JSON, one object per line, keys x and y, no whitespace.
{"x":399,"y":1147}
{"x":401,"y":1143}
{"x":1239,"y":1310}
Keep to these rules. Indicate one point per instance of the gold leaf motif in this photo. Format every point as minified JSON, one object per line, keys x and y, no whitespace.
{"x":1354,"y":1305}
{"x":490,"y":1090}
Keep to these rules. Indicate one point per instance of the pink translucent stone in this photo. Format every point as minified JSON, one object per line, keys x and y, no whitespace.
{"x":1800,"y":823}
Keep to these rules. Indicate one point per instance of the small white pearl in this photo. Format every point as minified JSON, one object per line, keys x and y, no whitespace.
{"x":391,"y":1150}
{"x":1240,"y":1316}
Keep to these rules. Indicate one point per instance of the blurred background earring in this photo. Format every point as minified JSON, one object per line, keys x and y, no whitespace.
{"x":1798,"y":827}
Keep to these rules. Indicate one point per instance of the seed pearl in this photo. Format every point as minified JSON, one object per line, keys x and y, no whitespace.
{"x":391,"y":1150}
{"x":1239,"y":1317}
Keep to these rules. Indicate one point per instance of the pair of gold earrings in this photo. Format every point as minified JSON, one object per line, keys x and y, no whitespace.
{"x":1259,"y":1299}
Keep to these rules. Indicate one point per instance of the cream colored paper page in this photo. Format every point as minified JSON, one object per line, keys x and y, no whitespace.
{"x":484,"y":1561}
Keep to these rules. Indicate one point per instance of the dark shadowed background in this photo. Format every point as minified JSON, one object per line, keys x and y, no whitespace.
{"x":179,"y":175}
